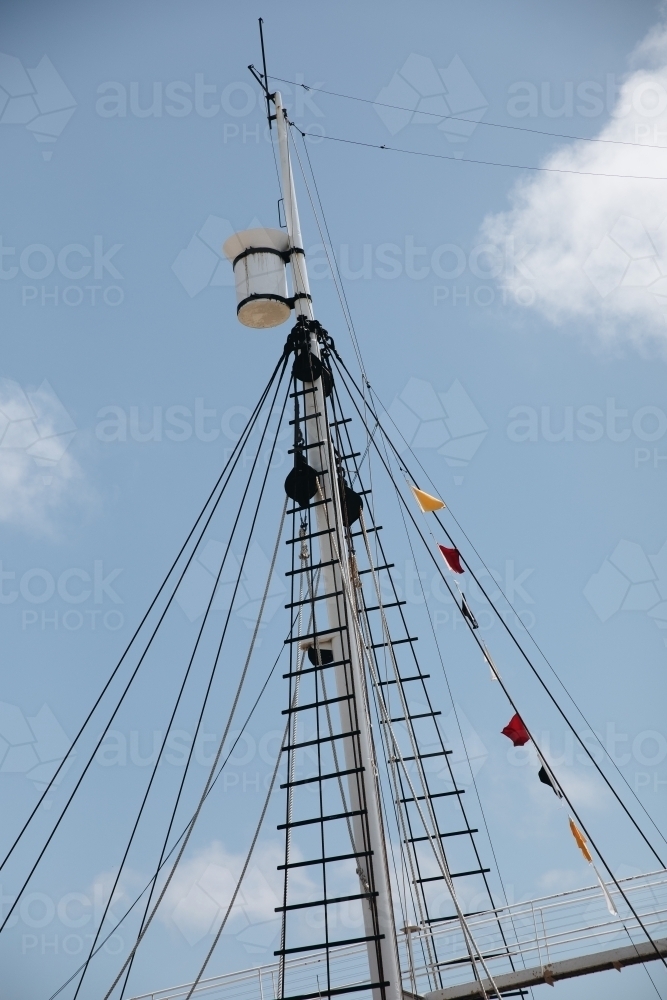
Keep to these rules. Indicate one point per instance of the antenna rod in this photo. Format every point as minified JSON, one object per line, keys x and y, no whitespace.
{"x":266,"y":78}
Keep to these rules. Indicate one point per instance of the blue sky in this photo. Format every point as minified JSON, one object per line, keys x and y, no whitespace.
{"x":513,"y":323}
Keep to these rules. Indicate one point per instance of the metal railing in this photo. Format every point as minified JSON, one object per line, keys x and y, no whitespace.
{"x":537,"y":932}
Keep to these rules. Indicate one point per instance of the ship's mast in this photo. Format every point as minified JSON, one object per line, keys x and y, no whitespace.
{"x":337,"y":577}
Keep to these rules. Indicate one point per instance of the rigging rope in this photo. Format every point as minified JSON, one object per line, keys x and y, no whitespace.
{"x":242,"y":876}
{"x":153,"y":878}
{"x":116,"y":709}
{"x":520,"y":648}
{"x":488,"y":163}
{"x":366,"y":384}
{"x":472,"y":121}
{"x":228,"y":468}
{"x":232,"y":712}
{"x":434,"y":840}
{"x":509,"y":698}
{"x":187,"y":673}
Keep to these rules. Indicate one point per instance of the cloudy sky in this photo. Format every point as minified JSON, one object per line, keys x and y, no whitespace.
{"x":509,"y":293}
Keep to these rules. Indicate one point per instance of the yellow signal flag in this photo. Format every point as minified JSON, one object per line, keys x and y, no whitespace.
{"x":426,"y":501}
{"x":581,"y":842}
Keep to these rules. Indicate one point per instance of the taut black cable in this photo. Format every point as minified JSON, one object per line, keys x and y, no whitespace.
{"x":486,"y":163}
{"x":147,"y":922}
{"x":471,"y":121}
{"x":523,"y":652}
{"x":217,"y":658}
{"x":185,"y":678}
{"x":153,"y":877}
{"x":500,"y":681}
{"x":282,"y":362}
{"x":238,"y":447}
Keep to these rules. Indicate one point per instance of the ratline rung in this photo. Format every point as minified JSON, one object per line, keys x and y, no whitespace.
{"x":305,"y":447}
{"x":423,"y":756}
{"x":454,"y":833}
{"x":313,"y":569}
{"x":300,"y":510}
{"x":302,"y":392}
{"x":310,"y":600}
{"x":336,"y":423}
{"x":313,"y":534}
{"x":324,"y":819}
{"x":320,"y":739}
{"x":422,"y":715}
{"x":306,"y":416}
{"x":325,"y":861}
{"x":325,"y":902}
{"x":381,"y":607}
{"x":376,"y":569}
{"x":353,"y":454}
{"x":315,"y":635}
{"x":435,"y":795}
{"x":327,"y":945}
{"x":355,"y":534}
{"x":324,"y":777}
{"x":316,"y":704}
{"x":438,"y":878}
{"x":404,"y":680}
{"x":394,"y":642}
{"x":320,"y":666}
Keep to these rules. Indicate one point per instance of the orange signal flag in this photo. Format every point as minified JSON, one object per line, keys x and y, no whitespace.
{"x":581,"y":842}
{"x":426,"y":501}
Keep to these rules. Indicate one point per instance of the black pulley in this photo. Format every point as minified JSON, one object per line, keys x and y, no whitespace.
{"x":307,"y":366}
{"x":301,"y":483}
{"x":327,"y":381}
{"x":319,"y":656}
{"x":351,"y":504}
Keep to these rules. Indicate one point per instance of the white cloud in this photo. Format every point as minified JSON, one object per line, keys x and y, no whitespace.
{"x":38,"y":476}
{"x":200,"y":892}
{"x":598,"y":246}
{"x":561,"y":879}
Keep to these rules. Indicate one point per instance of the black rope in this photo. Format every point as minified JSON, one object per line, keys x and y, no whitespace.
{"x":487,"y":163}
{"x":471,"y":121}
{"x":502,"y":684}
{"x":224,"y":632}
{"x":154,"y":876}
{"x":238,"y":447}
{"x":147,"y":921}
{"x":521,"y":650}
{"x":124,"y":693}
{"x":182,"y":689}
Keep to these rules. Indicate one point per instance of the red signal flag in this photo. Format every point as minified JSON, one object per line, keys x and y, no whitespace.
{"x":453,"y":558}
{"x":516,"y":731}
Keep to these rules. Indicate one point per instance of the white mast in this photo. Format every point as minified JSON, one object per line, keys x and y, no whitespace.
{"x":337,"y":578}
